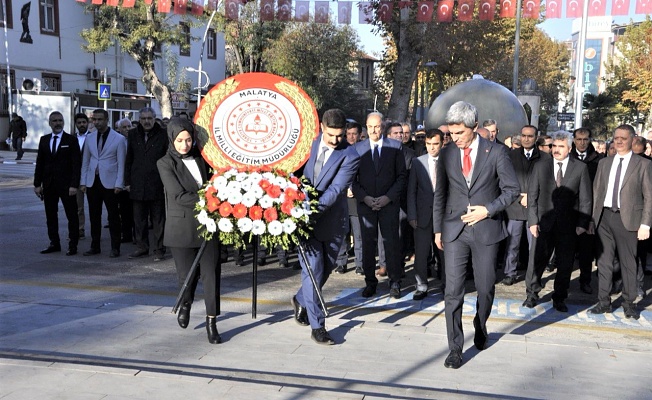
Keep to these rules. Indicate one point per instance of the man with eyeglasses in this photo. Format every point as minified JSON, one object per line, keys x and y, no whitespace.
{"x":544,"y":143}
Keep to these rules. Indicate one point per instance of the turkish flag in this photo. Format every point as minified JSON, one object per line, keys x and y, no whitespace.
{"x":267,"y":10}
{"x":163,"y":6}
{"x":465,"y":10}
{"x":620,"y":7}
{"x":321,"y":11}
{"x":365,"y":12}
{"x":98,"y":2}
{"x":232,"y":9}
{"x":302,"y":11}
{"x":284,"y":11}
{"x":597,"y":8}
{"x":531,"y":9}
{"x":404,"y":4}
{"x":180,"y":6}
{"x":197,"y":7}
{"x":553,"y":9}
{"x":425,"y":9}
{"x":445,"y":11}
{"x":84,"y":1}
{"x":487,"y":10}
{"x":344,"y":12}
{"x":211,"y":5}
{"x":574,"y":8}
{"x":113,"y":3}
{"x":385,"y":11}
{"x":126,"y":3}
{"x":507,"y":9}
{"x":643,"y":6}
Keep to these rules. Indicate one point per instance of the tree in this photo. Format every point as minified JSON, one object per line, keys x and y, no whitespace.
{"x":140,"y":32}
{"x":319,"y":58}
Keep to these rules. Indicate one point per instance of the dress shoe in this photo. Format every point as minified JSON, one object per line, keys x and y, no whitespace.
{"x":530,"y":302}
{"x":262,"y":261}
{"x":509,"y":280}
{"x":51,"y":249}
{"x":239,"y":261}
{"x":395,"y":290}
{"x":359,"y":271}
{"x":183,"y":318}
{"x":600,"y":309}
{"x":211,"y":330}
{"x":560,"y":306}
{"x":630,"y":311}
{"x":114,"y":253}
{"x":454,"y":359}
{"x":640,"y":293}
{"x":92,"y":252}
{"x":321,"y":336}
{"x":284,"y":264}
{"x":300,"y":312}
{"x":586,"y":288}
{"x":382,"y":271}
{"x":159,"y":257}
{"x":419,"y":295}
{"x":71,"y":251}
{"x":369,"y":291}
{"x":340,"y":269}
{"x":550,"y":267}
{"x":480,"y":338}
{"x":139,"y":253}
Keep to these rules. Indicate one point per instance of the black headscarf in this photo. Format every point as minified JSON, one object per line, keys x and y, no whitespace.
{"x":175,"y":127}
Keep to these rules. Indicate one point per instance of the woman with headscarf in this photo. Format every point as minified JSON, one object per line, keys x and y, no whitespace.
{"x":183,"y":172}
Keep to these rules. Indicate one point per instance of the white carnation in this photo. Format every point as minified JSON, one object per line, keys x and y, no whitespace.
{"x":289,"y":226}
{"x":235,"y":198}
{"x":255,"y":177}
{"x":245,"y":224}
{"x":241,"y":176}
{"x":258,"y":227}
{"x":220,"y":182}
{"x":225,"y":225}
{"x":246,"y":185}
{"x":269,"y":176}
{"x":210,"y":225}
{"x":281,"y":182}
{"x":201,"y":202}
{"x":275,"y":228}
{"x":297,"y":212}
{"x":249,"y":199}
{"x":234,"y":186}
{"x":266,"y":201}
{"x":230,"y":173}
{"x":202,"y":217}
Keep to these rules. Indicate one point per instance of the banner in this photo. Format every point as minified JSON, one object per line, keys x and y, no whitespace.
{"x":126,"y":3}
{"x":404,"y":4}
{"x":197,"y":7}
{"x":302,"y":11}
{"x":553,"y":9}
{"x":344,"y":12}
{"x":113,"y":3}
{"x":597,"y":8}
{"x":620,"y":7}
{"x":284,"y":12}
{"x":643,"y":6}
{"x":267,"y":10}
{"x":321,"y":11}
{"x":180,"y":6}
{"x":507,"y":9}
{"x":531,"y":9}
{"x":487,"y":10}
{"x":425,"y":11}
{"x":163,"y":6}
{"x":365,"y":12}
{"x":445,"y":11}
{"x":385,"y":10}
{"x":465,"y":10}
{"x":232,"y":9}
{"x":574,"y":8}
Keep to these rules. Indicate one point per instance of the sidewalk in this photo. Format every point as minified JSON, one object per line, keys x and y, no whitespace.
{"x":9,"y":157}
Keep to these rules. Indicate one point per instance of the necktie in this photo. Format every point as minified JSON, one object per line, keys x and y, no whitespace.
{"x":146,"y":137}
{"x":527,"y":155}
{"x":581,"y":157}
{"x":614,"y":196}
{"x":466,"y":163}
{"x":560,"y":176}
{"x":54,"y":143}
{"x":319,"y":164}
{"x":376,"y":158}
{"x":100,"y":143}
{"x":433,"y":172}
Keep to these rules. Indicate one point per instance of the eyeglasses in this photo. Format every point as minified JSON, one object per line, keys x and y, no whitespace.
{"x":419,"y":137}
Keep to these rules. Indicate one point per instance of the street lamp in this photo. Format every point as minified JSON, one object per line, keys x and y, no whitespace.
{"x":199,"y":85}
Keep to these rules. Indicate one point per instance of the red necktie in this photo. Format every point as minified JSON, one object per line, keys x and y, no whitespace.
{"x":466,"y":162}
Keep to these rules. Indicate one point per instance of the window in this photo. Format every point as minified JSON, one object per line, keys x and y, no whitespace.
{"x":184,"y":48}
{"x":211,"y":44}
{"x":51,"y":82}
{"x":4,"y":93}
{"x":8,"y":14}
{"x":131,"y":86}
{"x":49,"y":15}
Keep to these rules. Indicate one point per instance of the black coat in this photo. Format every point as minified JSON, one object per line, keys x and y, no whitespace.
{"x":591,"y":160}
{"x":523,"y":168}
{"x":141,"y":173}
{"x":60,"y":171}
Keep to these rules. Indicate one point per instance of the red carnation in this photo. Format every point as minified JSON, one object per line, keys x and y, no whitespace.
{"x":239,"y":210}
{"x":270,"y":214}
{"x":302,"y":196}
{"x":291,"y":194}
{"x":210,"y":192}
{"x":273,"y":191}
{"x":264,"y":184}
{"x":287,"y":206}
{"x":295,"y":180}
{"x":256,"y":212}
{"x":265,"y":168}
{"x":212,"y":203}
{"x":226,"y":209}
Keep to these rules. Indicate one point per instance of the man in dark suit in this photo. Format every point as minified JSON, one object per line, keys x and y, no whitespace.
{"x":622,"y":213}
{"x":523,"y":161}
{"x":56,"y":176}
{"x":330,"y":169}
{"x":420,"y":196}
{"x":559,"y":210}
{"x":475,"y":184}
{"x":102,"y":179}
{"x":378,"y":186}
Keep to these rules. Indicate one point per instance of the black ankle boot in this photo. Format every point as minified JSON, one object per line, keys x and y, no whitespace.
{"x":183,"y":317}
{"x":211,"y":330}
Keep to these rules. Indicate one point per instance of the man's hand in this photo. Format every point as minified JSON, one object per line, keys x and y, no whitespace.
{"x":413,"y":223}
{"x":39,"y":192}
{"x":128,"y":188}
{"x":72,"y":191}
{"x":369,"y":201}
{"x":579,"y":230}
{"x":117,"y":190}
{"x":534,"y":230}
{"x":349,"y":192}
{"x":475,"y":214}
{"x":643,"y":233}
{"x":591,"y":230}
{"x":524,"y":199}
{"x":381,"y":201}
{"x":82,"y":188}
{"x":438,"y":242}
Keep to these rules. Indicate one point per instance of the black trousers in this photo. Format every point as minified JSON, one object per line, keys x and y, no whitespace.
{"x":142,"y":212}
{"x":563,"y":244}
{"x":210,"y":271}
{"x":387,"y":220}
{"x":585,"y":255}
{"x":51,"y":202}
{"x":98,"y":194}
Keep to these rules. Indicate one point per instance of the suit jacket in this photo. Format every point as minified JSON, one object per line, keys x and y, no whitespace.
{"x":591,"y":160}
{"x":493,"y":185}
{"x":420,"y":193}
{"x":334,"y":179}
{"x":140,"y":170}
{"x":565,"y":207}
{"x":635,"y":192}
{"x":110,"y":162}
{"x":180,"y":199}
{"x":523,"y":168}
{"x":60,"y":171}
{"x":389,"y":180}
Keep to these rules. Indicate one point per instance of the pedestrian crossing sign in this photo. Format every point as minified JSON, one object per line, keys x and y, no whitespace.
{"x":104,"y":91}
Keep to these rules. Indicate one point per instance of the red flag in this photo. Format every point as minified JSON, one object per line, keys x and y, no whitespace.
{"x":597,"y":8}
{"x":425,"y":9}
{"x":465,"y":10}
{"x":99,"y":2}
{"x":113,"y":3}
{"x":643,"y":6}
{"x":83,"y":1}
{"x":487,"y":10}
{"x":322,"y":9}
{"x":445,"y":11}
{"x":163,"y":6}
{"x":344,"y":12}
{"x":507,"y":9}
{"x":553,"y":9}
{"x":267,"y":10}
{"x":404,"y":4}
{"x":302,"y":11}
{"x":620,"y":7}
{"x":531,"y":9}
{"x":574,"y":8}
{"x":284,"y":11}
{"x":126,"y":3}
{"x":180,"y":6}
{"x":365,"y":12}
{"x":232,"y":9}
{"x":385,"y":10}
{"x":211,"y":5}
{"x":197,"y":7}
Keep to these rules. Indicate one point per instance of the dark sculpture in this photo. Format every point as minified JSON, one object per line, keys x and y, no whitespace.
{"x":25,"y":37}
